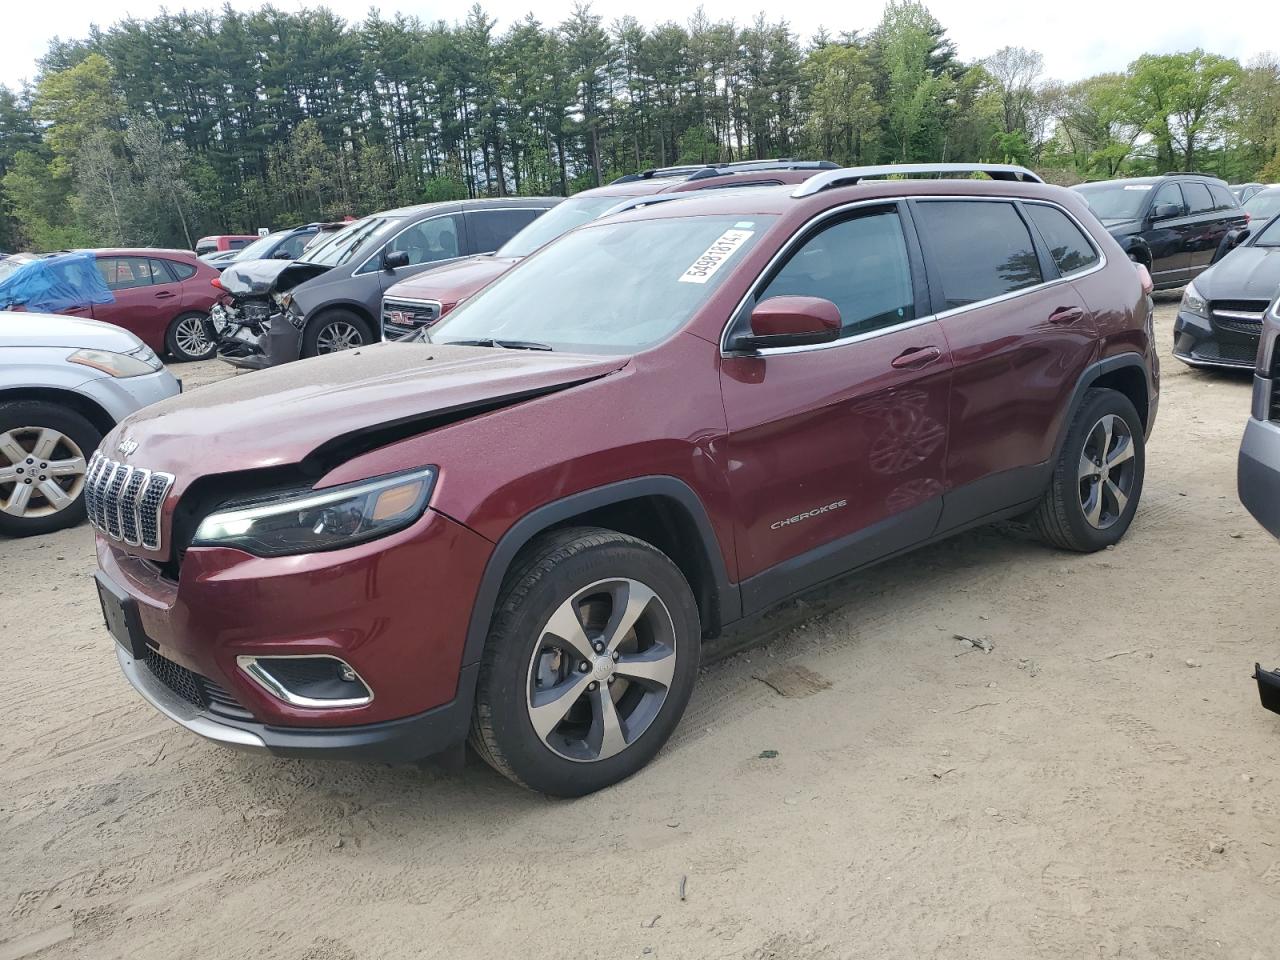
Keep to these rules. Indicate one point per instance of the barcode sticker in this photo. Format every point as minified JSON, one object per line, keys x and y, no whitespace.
{"x":714,"y":257}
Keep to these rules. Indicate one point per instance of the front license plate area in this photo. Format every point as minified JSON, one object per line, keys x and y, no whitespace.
{"x":120,"y":611}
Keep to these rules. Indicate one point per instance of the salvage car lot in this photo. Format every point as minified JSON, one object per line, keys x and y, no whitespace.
{"x":1101,"y":783}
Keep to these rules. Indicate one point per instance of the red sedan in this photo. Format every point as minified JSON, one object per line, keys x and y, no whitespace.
{"x":161,"y":296}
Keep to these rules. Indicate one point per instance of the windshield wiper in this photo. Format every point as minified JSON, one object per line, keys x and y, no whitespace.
{"x":491,"y":342}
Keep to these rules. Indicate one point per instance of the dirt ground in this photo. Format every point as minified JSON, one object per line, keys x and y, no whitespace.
{"x":1102,"y":783}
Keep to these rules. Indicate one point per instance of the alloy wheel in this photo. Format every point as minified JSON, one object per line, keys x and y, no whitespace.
{"x":601,"y":670}
{"x":338,"y":336}
{"x":41,"y":471}
{"x":1107,"y":471}
{"x":191,"y":338}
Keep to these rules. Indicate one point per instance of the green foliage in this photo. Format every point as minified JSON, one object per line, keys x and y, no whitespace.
{"x":159,"y":130}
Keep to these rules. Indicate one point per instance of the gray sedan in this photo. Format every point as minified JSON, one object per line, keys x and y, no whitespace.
{"x":64,"y":382}
{"x":1220,"y":316}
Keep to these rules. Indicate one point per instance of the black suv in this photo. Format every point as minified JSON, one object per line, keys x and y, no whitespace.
{"x":1171,"y":224}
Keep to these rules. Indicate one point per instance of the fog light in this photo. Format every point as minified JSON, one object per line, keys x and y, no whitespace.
{"x":316,"y":682}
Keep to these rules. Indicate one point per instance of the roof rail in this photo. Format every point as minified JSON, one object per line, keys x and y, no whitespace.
{"x":661,"y":173}
{"x":635,"y":203}
{"x":751,"y":166}
{"x":849,"y":176}
{"x":697,"y":171}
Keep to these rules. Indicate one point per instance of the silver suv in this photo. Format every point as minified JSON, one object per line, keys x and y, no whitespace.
{"x":64,"y":382}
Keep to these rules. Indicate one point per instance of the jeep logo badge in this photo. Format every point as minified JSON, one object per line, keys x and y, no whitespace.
{"x":126,"y":447}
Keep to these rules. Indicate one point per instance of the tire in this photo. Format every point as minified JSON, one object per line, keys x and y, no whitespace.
{"x":185,"y":335}
{"x":1082,"y":509}
{"x":591,"y":575}
{"x":25,"y":425}
{"x":331,"y":329}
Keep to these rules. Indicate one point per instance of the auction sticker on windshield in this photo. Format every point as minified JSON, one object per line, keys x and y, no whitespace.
{"x":714,"y":257}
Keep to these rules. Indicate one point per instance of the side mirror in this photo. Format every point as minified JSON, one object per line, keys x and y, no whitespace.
{"x":790,"y":322}
{"x":1165,"y":211}
{"x":395,"y":258}
{"x":282,"y":255}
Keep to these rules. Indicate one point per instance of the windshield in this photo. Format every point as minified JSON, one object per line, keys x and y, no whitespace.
{"x":610,"y":287}
{"x":556,"y":222}
{"x":260,"y":248}
{"x":12,"y":263}
{"x":346,"y":243}
{"x":1268,"y":234}
{"x":1115,"y":201}
{"x":1264,"y":205}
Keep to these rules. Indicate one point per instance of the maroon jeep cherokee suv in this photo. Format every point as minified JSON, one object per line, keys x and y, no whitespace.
{"x":520,"y":529}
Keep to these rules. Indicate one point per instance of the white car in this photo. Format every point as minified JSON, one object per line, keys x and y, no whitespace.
{"x":64,"y":382}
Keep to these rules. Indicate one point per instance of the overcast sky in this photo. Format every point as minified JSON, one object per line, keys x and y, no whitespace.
{"x":1078,"y":38}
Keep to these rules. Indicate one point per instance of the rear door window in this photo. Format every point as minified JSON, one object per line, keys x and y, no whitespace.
{"x":125,"y":273}
{"x":1069,"y":247}
{"x":429,"y":241}
{"x":490,"y":229}
{"x":1198,"y":197}
{"x":977,"y":249}
{"x":860,"y":265}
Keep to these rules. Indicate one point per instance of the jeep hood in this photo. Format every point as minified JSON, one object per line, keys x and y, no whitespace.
{"x":454,"y":282}
{"x":1246,"y":273}
{"x":327,"y":409}
{"x":260,"y":278}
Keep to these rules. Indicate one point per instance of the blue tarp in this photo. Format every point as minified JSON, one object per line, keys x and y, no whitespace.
{"x":55,"y":283}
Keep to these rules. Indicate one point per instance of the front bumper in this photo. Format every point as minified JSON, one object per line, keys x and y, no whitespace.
{"x":1258,"y":472}
{"x":121,"y":396}
{"x":1207,"y":343}
{"x":395,"y":609}
{"x":254,"y":347}
{"x":394,"y":741}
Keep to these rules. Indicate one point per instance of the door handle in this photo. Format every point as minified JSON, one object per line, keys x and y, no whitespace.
{"x":1066,"y":315}
{"x":915,"y":357}
{"x":165,"y":295}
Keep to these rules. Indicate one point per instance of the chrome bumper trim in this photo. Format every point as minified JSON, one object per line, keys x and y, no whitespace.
{"x":181,"y":712}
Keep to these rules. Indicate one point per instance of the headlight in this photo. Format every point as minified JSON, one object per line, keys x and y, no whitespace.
{"x":284,"y":299}
{"x":1193,"y":303}
{"x":311,"y":521}
{"x":135,"y":364}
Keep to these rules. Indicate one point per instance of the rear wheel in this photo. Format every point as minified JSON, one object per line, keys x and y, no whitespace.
{"x":43,"y":454}
{"x":187,"y":338}
{"x":589,"y":665}
{"x":334,"y":332}
{"x":1097,"y":480}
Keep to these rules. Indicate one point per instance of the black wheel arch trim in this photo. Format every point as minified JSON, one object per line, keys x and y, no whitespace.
{"x":1135,"y":244}
{"x":1091,"y":375}
{"x":329,"y":306}
{"x":725,"y":596}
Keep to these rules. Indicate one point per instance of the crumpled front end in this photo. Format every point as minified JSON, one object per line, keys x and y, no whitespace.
{"x":256,"y":333}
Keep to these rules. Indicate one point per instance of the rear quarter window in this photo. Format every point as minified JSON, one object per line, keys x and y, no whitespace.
{"x":1222,"y":197}
{"x":180,"y":271}
{"x":977,"y":249}
{"x":1069,"y":247}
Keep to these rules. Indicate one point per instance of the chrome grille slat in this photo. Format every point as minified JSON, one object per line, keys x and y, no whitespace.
{"x":124,"y":502}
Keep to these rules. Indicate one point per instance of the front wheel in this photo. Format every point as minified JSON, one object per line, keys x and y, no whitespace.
{"x":589,"y":664}
{"x":188,"y":339}
{"x":334,"y":332}
{"x":1097,"y":480}
{"x":43,"y":453}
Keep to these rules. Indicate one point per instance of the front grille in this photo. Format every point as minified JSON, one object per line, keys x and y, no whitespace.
{"x":196,"y":690}
{"x":406,"y":316}
{"x":124,"y":502}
